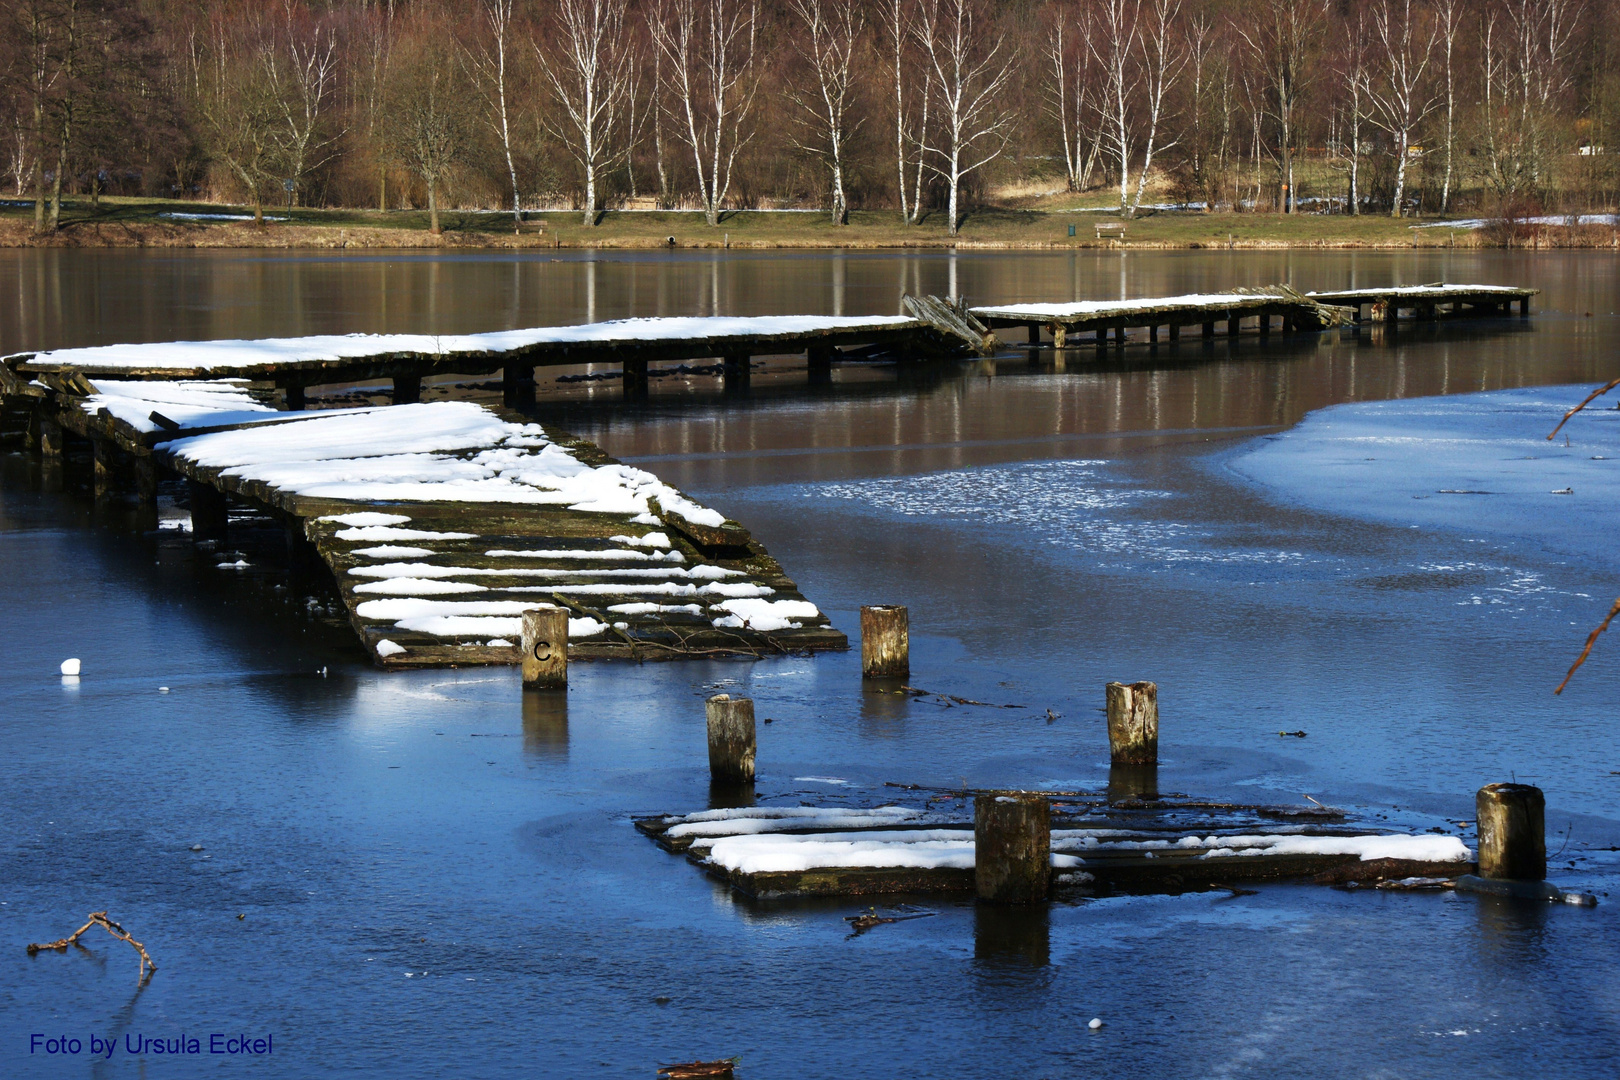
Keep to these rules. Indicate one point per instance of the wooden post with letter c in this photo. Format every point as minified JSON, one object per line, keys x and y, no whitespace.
{"x":545,"y":649}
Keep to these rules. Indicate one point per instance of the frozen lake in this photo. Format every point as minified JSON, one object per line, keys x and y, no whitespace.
{"x":406,"y":875}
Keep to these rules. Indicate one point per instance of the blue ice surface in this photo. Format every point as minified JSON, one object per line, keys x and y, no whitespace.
{"x":1475,"y":462}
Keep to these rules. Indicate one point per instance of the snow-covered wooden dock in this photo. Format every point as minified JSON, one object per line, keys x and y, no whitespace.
{"x":1158,"y":845}
{"x":442,"y":522}
{"x":1264,"y":308}
{"x":296,"y":364}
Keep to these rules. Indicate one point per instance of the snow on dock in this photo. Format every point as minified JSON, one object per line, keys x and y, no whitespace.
{"x":1156,"y":846}
{"x":1292,"y":309}
{"x":270,"y":357}
{"x":442,"y":523}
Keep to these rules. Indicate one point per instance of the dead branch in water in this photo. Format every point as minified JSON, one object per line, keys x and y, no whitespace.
{"x":99,"y":918}
{"x":1593,"y":396}
{"x":1591,"y":639}
{"x":689,"y":1069}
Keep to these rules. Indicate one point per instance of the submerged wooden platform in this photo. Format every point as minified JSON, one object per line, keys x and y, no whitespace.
{"x":1170,"y":844}
{"x":441,"y":523}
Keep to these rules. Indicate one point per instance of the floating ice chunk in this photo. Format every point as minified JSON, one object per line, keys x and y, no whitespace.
{"x":1096,"y":1022}
{"x":70,"y":667}
{"x":387,"y":648}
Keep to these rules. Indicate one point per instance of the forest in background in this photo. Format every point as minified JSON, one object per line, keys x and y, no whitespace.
{"x":1397,"y":107}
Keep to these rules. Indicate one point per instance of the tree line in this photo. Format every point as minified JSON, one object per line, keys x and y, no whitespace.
{"x":925,"y":107}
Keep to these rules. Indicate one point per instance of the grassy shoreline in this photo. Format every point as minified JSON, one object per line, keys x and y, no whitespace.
{"x":142,"y":223}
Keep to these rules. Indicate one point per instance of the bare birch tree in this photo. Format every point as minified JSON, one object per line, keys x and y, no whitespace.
{"x":910,"y":133}
{"x":1113,"y":42}
{"x":591,"y":82}
{"x":1072,"y":105}
{"x":968,"y":71}
{"x":1449,"y":13}
{"x":832,"y":31}
{"x":487,"y":64}
{"x":1162,"y":61}
{"x":1282,"y":36}
{"x":1401,"y":96}
{"x":1524,"y":57}
{"x":711,"y":48}
{"x":1355,"y":76}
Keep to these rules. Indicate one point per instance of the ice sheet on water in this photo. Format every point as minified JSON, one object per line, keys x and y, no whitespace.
{"x":1083,"y":504}
{"x":1423,"y":461}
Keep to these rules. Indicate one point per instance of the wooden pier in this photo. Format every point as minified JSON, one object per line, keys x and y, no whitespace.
{"x":1064,"y":325}
{"x":296,"y":364}
{"x":441,"y":523}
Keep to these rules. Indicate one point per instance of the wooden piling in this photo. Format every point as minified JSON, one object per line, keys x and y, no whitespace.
{"x":819,"y":360}
{"x":635,"y":378}
{"x":1232,"y":326}
{"x":105,"y":454}
{"x":1265,"y":324}
{"x":407,"y":389}
{"x":731,"y":739}
{"x":293,"y":397}
{"x":1133,"y":723}
{"x":1209,"y":329}
{"x":210,"y":515}
{"x":736,"y":371}
{"x":1153,"y":334}
{"x":517,"y":384}
{"x":1034,"y":333}
{"x":1511,"y":820}
{"x":50,"y":439}
{"x":146,"y":479}
{"x":885,"y":642}
{"x":1012,"y":847}
{"x":1175,"y":331}
{"x":545,"y":649}
{"x":1060,"y":336}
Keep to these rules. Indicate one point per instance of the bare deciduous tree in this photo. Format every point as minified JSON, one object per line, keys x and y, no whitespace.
{"x":301,"y":83}
{"x":1282,"y":35}
{"x":910,"y":132}
{"x":968,"y":72}
{"x":487,"y":63}
{"x":590,"y":79}
{"x":711,"y":49}
{"x":1113,"y":42}
{"x":832,"y":29}
{"x":1401,"y":96}
{"x":1162,"y":61}
{"x":428,"y":124}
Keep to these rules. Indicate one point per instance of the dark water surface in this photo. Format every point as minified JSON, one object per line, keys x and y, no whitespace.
{"x":436,"y":879}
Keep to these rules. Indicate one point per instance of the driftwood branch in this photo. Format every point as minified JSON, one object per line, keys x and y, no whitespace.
{"x":99,"y":918}
{"x":686,"y":1069}
{"x":1591,"y":639}
{"x":1593,"y":396}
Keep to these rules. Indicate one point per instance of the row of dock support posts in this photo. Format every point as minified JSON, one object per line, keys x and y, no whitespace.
{"x":1012,"y":829}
